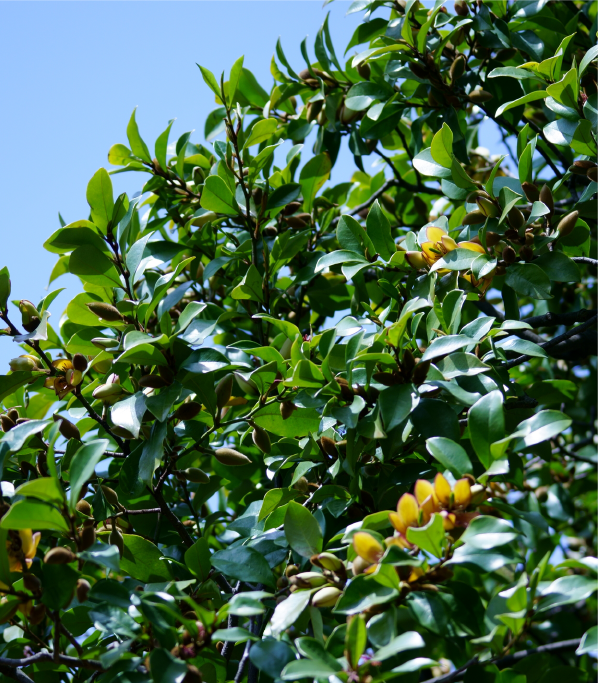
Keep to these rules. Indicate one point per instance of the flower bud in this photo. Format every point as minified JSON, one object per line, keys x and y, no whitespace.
{"x":327,"y":561}
{"x":461,"y":8}
{"x":416,"y":260}
{"x":270,"y":231}
{"x":515,"y":218}
{"x":195,"y":475}
{"x":105,"y":311}
{"x":508,"y":255}
{"x":478,"y":494}
{"x":359,"y":565}
{"x":67,"y":428}
{"x":59,"y":555}
{"x":480,"y":96}
{"x":420,"y":373}
{"x":224,"y":390}
{"x":326,"y":597}
{"x":152,"y":382}
{"x":328,"y":446}
{"x":457,"y":68}
{"x":492,"y":239}
{"x":105,"y":343}
{"x":187,"y":411}
{"x":105,"y":392}
{"x":231,"y":458}
{"x":73,"y":377}
{"x":79,"y":362}
{"x":37,"y":614}
{"x":474,"y":218}
{"x":6,"y":423}
{"x":308,"y":580}
{"x":83,"y":588}
{"x":487,"y":207}
{"x":526,"y":253}
{"x":313,"y":109}
{"x":32,"y":583}
{"x":592,"y":174}
{"x":116,"y":538}
{"x":261,"y":439}
{"x":25,"y":363}
{"x":364,"y":70}
{"x":83,"y":507}
{"x":28,"y":310}
{"x":286,"y":409}
{"x":285,"y":349}
{"x":547,"y":198}
{"x":291,"y":570}
{"x":301,"y":485}
{"x":567,"y":223}
{"x":110,"y":495}
{"x":88,"y":534}
{"x":531,"y":191}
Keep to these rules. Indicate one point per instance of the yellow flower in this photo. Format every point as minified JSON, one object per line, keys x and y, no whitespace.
{"x":414,"y":510}
{"x":452,"y":501}
{"x":67,"y":379}
{"x":367,"y":547}
{"x":21,"y":547}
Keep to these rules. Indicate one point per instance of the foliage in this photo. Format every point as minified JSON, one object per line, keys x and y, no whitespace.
{"x":294,"y":430}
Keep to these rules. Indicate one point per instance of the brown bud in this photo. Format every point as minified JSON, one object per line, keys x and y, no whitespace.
{"x":492,"y":239}
{"x":506,"y":54}
{"x":84,"y":507}
{"x":116,"y":538}
{"x":408,"y":363}
{"x":282,"y":582}
{"x":32,"y":583}
{"x":487,"y":207}
{"x":193,"y":675}
{"x":166,"y":374}
{"x":328,"y":446}
{"x":388,"y":202}
{"x":515,"y":218}
{"x":286,"y":409}
{"x":187,"y":411}
{"x":592,"y":174}
{"x":6,"y":423}
{"x":547,"y":198}
{"x":13,"y":413}
{"x":480,"y":96}
{"x":105,"y":311}
{"x":110,"y":495}
{"x":224,"y":390}
{"x":59,"y":555}
{"x":526,"y":253}
{"x":231,"y":458}
{"x":88,"y":536}
{"x":418,"y":70}
{"x":567,"y":223}
{"x":152,"y":382}
{"x":67,"y":428}
{"x":473,"y":218}
{"x":83,"y":588}
{"x":270,"y":231}
{"x":313,"y":109}
{"x":301,"y":485}
{"x":296,"y":222}
{"x":457,"y":68}
{"x":364,"y":70}
{"x":461,"y":8}
{"x":531,"y":191}
{"x":37,"y":614}
{"x":261,"y":439}
{"x":386,"y":378}
{"x":80,"y":362}
{"x":291,"y":208}
{"x":195,"y":475}
{"x":508,"y":255}
{"x":291,"y":570}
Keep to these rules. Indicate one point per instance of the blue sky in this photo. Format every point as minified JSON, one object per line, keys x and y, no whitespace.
{"x":71,"y":74}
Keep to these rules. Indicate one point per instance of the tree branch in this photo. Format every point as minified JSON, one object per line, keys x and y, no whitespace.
{"x":73,"y":662}
{"x":585,"y":259}
{"x":92,"y":413}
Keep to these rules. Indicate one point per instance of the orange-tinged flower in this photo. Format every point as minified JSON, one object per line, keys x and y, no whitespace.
{"x":67,"y":379}
{"x":452,"y":501}
{"x":21,"y":546}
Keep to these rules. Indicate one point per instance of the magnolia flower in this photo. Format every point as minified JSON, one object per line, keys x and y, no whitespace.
{"x":369,"y":553}
{"x":21,"y":546}
{"x":437,"y":245}
{"x":66,"y":379}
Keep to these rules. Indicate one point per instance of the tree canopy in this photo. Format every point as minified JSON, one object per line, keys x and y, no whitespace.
{"x":295,"y":430}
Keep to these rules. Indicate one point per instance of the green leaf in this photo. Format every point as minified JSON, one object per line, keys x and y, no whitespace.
{"x":75,"y":235}
{"x":143,"y":354}
{"x":396,"y":404}
{"x":197,"y":559}
{"x":485,"y":533}
{"x":410,"y":640}
{"x":529,"y":280}
{"x":166,"y":668}
{"x":83,"y":466}
{"x":530,"y":97}
{"x":308,"y":668}
{"x":138,"y":146}
{"x":450,"y":455}
{"x":302,"y":530}
{"x":120,"y":155}
{"x":313,"y":175}
{"x":461,"y":365}
{"x":517,"y":72}
{"x":356,"y":641}
{"x":129,"y":413}
{"x":93,"y":266}
{"x":378,"y":229}
{"x":589,"y":642}
{"x":425,"y":163}
{"x":250,"y":286}
{"x":442,"y":147}
{"x":142,"y":560}
{"x":243,"y":563}
{"x":441,"y":346}
{"x":271,"y":656}
{"x":45,"y":488}
{"x":33,"y":514}
{"x":10,"y":383}
{"x":306,"y":374}
{"x":100,"y":199}
{"x":542,"y":426}
{"x":210,"y":81}
{"x":429,"y":537}
{"x":262,"y":131}
{"x":216,"y":196}
{"x":161,"y":146}
{"x":233,"y":82}
{"x":566,"y":91}
{"x":151,"y":455}
{"x":364,"y":592}
{"x":4,"y":287}
{"x":589,"y":57}
{"x":288,"y":611}
{"x":276,"y":498}
{"x":486,"y":422}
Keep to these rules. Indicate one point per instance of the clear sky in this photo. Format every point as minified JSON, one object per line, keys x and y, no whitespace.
{"x":71,"y":74}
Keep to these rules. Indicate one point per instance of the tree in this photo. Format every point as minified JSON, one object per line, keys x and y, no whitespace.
{"x":294,"y":430}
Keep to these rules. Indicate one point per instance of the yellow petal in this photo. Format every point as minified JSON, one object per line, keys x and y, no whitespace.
{"x":443,"y":490}
{"x":36,"y":539}
{"x":472,"y":246}
{"x":462,"y":492}
{"x":449,"y":519}
{"x":397,"y":522}
{"x":49,"y":382}
{"x":431,"y":252}
{"x":367,"y":547}
{"x":434,"y":233}
{"x":423,"y":489}
{"x":27,"y":545}
{"x":416,"y":573}
{"x":408,"y":510}
{"x":62,"y":364}
{"x":448,"y":243}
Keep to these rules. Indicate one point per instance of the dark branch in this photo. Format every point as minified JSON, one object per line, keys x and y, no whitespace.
{"x":73,"y":662}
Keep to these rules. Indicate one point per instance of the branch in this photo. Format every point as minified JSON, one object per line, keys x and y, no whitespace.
{"x":73,"y":662}
{"x":15,"y":674}
{"x":176,"y":522}
{"x":92,"y":413}
{"x":506,"y":661}
{"x":585,"y":259}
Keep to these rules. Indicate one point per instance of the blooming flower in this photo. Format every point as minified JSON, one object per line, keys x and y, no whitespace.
{"x":66,"y":379}
{"x":21,"y":546}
